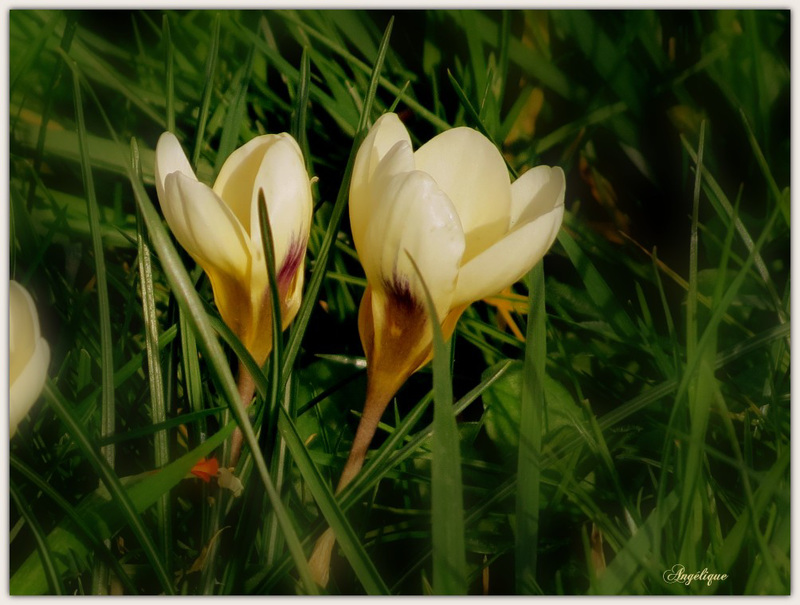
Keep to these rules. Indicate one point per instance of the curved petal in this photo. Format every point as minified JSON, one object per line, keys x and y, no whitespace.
{"x":236,"y":179}
{"x":535,"y":193}
{"x":508,"y":260}
{"x":413,"y":217}
{"x":382,"y":138}
{"x":29,"y":355}
{"x":471,"y":171}
{"x":169,"y":158}
{"x":28,"y":386}
{"x":205,"y":226}
{"x":287,"y":190}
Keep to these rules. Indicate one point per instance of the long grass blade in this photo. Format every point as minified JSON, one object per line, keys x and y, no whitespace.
{"x":208,"y":89}
{"x":532,"y":404}
{"x":299,"y":116}
{"x":170,"y":74}
{"x":447,"y":497}
{"x":108,"y":412}
{"x":158,"y":405}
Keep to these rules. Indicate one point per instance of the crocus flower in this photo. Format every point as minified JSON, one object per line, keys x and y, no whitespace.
{"x":449,"y":206}
{"x":29,"y":355}
{"x":219,"y":228}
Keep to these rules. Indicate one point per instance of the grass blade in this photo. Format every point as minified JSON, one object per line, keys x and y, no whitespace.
{"x":447,"y":497}
{"x":530,"y":437}
{"x":157,"y":401}
{"x":277,"y":332}
{"x":107,"y":410}
{"x":301,"y":107}
{"x":691,"y":299}
{"x":208,"y":88}
{"x":597,"y":288}
{"x":170,"y":76}
{"x":107,"y":357}
{"x":53,"y":579}
{"x":236,"y":111}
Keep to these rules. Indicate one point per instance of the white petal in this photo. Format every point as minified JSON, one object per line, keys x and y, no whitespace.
{"x":28,"y":386}
{"x":227,"y":480}
{"x":170,"y":158}
{"x":387,"y":132}
{"x":535,"y":193}
{"x":508,"y":260}
{"x":30,"y":355}
{"x":287,"y":190}
{"x":205,"y":226}
{"x":413,"y":217}
{"x":237,"y":177}
{"x":471,"y":171}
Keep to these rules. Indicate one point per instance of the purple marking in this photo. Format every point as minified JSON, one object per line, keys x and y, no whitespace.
{"x":402,"y":297}
{"x":293,"y":260}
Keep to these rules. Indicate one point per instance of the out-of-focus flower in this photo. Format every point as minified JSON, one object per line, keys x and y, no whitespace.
{"x":205,"y":469}
{"x":219,"y":228}
{"x":29,"y":355}
{"x":449,"y":206}
{"x":227,"y":480}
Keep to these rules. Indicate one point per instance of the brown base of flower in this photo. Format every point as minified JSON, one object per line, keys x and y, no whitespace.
{"x":402,"y":351}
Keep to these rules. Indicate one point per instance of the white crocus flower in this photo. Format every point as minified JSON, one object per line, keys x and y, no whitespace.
{"x":451,"y":207}
{"x":219,"y":228}
{"x":29,"y":355}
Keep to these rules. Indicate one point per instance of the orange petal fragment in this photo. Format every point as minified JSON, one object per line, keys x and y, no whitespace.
{"x":205,"y":469}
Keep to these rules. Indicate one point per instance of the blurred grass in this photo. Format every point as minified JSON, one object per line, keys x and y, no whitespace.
{"x":666,"y":385}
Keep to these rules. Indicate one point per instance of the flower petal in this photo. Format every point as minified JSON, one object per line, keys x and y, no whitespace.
{"x":535,"y":193}
{"x":205,"y":226}
{"x":236,"y":179}
{"x":287,"y":190}
{"x":471,"y":171}
{"x":387,"y":132}
{"x":227,"y":480}
{"x":29,"y":355}
{"x":413,"y":217}
{"x":508,"y":260}
{"x":170,"y":158}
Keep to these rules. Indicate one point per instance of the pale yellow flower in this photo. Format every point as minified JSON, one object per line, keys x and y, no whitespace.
{"x":219,"y":228}
{"x":451,"y":207}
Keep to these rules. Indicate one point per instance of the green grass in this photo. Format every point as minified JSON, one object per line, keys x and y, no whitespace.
{"x":634,"y":417}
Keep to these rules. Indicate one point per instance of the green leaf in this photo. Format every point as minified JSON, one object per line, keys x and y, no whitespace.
{"x":502,"y":416}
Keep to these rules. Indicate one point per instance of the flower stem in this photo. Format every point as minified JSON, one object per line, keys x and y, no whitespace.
{"x":379,"y":394}
{"x":247,"y":388}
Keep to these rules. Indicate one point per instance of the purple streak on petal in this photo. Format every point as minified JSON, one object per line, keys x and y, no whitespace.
{"x":291,"y":263}
{"x":400,"y":291}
